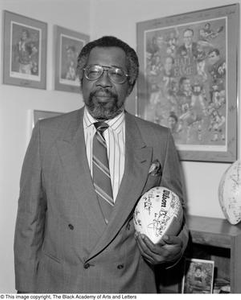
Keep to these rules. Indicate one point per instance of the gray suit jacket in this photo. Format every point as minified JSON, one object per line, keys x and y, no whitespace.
{"x":62,"y":244}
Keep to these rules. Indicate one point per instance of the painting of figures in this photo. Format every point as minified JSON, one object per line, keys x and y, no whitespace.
{"x":185,"y":75}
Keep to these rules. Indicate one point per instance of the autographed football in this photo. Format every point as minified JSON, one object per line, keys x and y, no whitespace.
{"x":158,"y":212}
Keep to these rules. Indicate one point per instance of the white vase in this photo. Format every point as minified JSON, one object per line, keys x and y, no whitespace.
{"x":229,"y":193}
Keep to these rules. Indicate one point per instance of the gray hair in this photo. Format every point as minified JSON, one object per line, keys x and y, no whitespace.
{"x":105,"y":42}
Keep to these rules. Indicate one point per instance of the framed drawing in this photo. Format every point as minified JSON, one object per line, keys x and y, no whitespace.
{"x":68,"y":44}
{"x":24,"y":51}
{"x":188,"y":80}
{"x":198,"y":276}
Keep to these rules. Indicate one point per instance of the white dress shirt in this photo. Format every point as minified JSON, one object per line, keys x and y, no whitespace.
{"x":115,"y":141}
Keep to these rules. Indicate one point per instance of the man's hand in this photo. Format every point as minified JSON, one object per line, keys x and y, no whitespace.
{"x":168,"y":250}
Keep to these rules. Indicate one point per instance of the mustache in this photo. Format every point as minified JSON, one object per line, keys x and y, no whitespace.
{"x":103,"y":92}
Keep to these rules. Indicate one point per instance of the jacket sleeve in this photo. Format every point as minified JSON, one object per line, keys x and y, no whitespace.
{"x":173,"y":179}
{"x":30,"y":221}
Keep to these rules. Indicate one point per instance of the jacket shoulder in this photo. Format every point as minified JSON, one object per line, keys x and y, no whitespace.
{"x":57,"y":128}
{"x":147,"y":126}
{"x":61,"y":121}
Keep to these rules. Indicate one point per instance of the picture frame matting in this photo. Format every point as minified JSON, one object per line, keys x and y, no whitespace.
{"x":193,"y":92}
{"x":68,"y":44}
{"x":24,"y":51}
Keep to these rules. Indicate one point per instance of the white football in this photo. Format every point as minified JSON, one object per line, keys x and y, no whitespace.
{"x":158,"y":212}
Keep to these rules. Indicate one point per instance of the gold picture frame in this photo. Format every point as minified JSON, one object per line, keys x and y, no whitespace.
{"x":24,"y":51}
{"x":192,"y":91}
{"x":68,"y":44}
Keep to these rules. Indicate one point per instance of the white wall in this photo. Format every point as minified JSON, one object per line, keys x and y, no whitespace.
{"x":97,"y":18}
{"x":15,"y":106}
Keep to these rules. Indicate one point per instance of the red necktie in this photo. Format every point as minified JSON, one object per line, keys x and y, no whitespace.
{"x":101,"y":172}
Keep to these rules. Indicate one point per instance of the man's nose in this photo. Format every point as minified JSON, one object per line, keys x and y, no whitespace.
{"x":104,"y":79}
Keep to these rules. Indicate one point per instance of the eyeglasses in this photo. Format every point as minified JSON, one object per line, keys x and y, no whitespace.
{"x":116,"y":75}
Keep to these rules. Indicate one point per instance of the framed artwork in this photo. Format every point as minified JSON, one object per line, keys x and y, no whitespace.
{"x":198,"y":276}
{"x":188,"y":80}
{"x":24,"y":51}
{"x":68,"y":45}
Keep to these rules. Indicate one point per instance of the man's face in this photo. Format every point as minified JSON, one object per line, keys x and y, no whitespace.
{"x":160,"y":42}
{"x":213,"y":58}
{"x":172,"y":122}
{"x":168,"y":64}
{"x":24,"y":35}
{"x":198,"y":273}
{"x":70,"y":55}
{"x":187,"y":37}
{"x":186,"y":85}
{"x":103,"y":98}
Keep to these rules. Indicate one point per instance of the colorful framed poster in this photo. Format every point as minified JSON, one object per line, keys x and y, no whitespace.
{"x":68,"y":46}
{"x":24,"y":51}
{"x":198,"y":276}
{"x":188,"y":80}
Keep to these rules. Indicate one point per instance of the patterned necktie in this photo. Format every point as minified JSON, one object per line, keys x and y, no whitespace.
{"x":101,"y":172}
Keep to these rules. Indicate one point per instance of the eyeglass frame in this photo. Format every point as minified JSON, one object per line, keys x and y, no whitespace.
{"x":106,"y":68}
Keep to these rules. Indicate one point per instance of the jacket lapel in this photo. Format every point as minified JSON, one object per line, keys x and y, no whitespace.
{"x":73,"y":155}
{"x":137,"y":163}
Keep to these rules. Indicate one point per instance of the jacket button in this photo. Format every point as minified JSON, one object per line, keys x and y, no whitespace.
{"x":86,"y":266}
{"x":120,"y":267}
{"x":71,"y":227}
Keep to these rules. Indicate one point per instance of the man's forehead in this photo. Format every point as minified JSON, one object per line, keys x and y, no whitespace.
{"x":112,"y":49}
{"x":188,"y":33}
{"x":108,"y":56}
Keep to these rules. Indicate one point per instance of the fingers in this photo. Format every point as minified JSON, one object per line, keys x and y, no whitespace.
{"x":144,"y":243}
{"x":168,"y":249}
{"x":172,"y":240}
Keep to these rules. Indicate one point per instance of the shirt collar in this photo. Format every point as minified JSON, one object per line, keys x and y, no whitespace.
{"x":113,"y":123}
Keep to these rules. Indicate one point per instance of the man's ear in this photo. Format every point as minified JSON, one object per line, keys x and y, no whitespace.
{"x":130,"y":88}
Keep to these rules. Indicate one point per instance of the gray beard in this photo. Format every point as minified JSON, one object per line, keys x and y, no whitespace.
{"x":103,"y":111}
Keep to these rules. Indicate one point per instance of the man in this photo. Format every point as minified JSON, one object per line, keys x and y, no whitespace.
{"x":184,"y":94}
{"x":69,"y":72}
{"x":217,"y":68}
{"x":63,"y":242}
{"x":25,"y":53}
{"x":197,"y":282}
{"x":189,"y":48}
